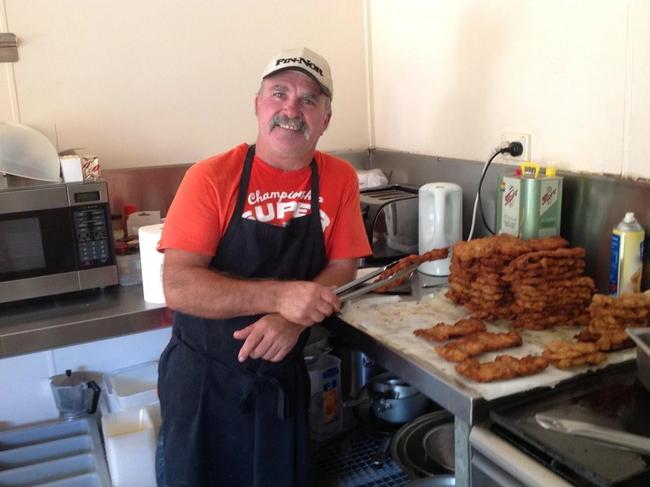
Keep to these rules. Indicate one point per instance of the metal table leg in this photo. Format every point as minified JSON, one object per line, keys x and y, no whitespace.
{"x":461,"y":452}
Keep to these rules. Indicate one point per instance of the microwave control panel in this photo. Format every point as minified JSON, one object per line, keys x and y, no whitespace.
{"x":91,"y":229}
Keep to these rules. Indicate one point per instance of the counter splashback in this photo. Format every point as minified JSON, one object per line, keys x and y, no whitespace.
{"x":592,"y":204}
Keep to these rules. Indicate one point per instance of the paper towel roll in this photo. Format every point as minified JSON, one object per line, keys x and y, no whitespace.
{"x":152,"y":263}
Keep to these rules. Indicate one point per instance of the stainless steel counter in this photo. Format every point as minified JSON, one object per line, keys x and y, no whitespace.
{"x":35,"y":325}
{"x":44,"y":324}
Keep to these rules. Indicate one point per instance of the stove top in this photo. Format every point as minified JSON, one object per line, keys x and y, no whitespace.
{"x":612,"y":399}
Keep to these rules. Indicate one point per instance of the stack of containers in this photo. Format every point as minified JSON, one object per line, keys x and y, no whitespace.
{"x":130,"y":426}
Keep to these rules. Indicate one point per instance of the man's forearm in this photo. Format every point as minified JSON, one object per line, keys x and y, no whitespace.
{"x":193,"y":288}
{"x":206,"y":293}
{"x":337,"y":272}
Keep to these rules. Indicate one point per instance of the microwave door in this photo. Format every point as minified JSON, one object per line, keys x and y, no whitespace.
{"x":36,"y":243}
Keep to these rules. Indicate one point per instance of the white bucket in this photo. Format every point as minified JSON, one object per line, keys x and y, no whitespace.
{"x":130,"y":444}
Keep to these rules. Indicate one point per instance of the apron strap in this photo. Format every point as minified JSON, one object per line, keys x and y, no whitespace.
{"x":315,"y":206}
{"x":243,"y":184}
{"x":256,"y":383}
{"x":257,"y":386}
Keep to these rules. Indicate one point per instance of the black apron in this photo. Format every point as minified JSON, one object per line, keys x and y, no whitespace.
{"x":231,"y":424}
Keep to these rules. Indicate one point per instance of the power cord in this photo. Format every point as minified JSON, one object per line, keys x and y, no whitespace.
{"x":514,"y":149}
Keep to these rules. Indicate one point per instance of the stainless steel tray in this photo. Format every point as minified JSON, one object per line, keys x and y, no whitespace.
{"x":53,"y":454}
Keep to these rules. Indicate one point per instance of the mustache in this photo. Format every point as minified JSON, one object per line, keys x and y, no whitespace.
{"x":293,"y":123}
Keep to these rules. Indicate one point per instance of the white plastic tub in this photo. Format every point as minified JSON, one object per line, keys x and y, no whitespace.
{"x":132,"y":387}
{"x":130,"y":443}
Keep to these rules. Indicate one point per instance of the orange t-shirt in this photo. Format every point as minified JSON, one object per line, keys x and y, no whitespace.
{"x":205,"y":201}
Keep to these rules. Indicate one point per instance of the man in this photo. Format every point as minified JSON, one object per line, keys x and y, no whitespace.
{"x":254,"y":241}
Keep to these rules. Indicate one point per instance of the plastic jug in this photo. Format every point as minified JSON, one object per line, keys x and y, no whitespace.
{"x":325,"y":414}
{"x":440,"y":223}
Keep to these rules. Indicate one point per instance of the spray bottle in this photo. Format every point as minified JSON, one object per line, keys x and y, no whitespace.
{"x":626,"y":262}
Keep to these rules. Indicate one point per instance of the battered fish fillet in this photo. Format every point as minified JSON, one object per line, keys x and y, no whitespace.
{"x":442,"y":331}
{"x":542,"y":259}
{"x":607,"y":340}
{"x":637,"y":300}
{"x":503,"y":367}
{"x":594,"y":358}
{"x":434,"y":254}
{"x":476,"y":344}
{"x":564,"y":355}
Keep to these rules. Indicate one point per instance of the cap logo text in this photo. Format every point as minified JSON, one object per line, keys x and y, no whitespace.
{"x":300,"y":60}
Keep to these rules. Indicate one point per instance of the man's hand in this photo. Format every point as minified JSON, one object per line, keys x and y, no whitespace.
{"x":305,"y":302}
{"x":271,"y":338}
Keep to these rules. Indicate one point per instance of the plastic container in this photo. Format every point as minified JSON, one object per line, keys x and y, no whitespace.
{"x":130,"y":443}
{"x":132,"y":387}
{"x":129,"y":269}
{"x":27,"y":153}
{"x":325,"y":416}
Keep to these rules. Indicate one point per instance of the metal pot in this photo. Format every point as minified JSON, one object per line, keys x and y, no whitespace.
{"x":399,"y":411}
{"x":358,"y":369}
{"x":393,"y":387}
{"x":395,"y":401}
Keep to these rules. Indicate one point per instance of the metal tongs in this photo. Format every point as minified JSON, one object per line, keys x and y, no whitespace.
{"x":356,"y":288}
{"x":600,"y":434}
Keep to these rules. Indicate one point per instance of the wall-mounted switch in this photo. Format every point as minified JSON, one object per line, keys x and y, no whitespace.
{"x":8,"y":48}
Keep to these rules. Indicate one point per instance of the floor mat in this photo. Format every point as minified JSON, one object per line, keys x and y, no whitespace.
{"x":348,"y":462}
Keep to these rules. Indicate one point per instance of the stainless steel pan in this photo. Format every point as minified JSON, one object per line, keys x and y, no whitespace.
{"x":641,"y":337}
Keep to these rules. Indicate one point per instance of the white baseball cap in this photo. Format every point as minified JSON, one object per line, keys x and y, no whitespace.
{"x":305,"y":60}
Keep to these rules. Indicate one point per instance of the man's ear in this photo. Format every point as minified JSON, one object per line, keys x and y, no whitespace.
{"x":257,"y":100}
{"x":328,"y":117}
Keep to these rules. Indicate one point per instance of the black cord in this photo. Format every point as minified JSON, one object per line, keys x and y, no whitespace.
{"x":480,"y":184}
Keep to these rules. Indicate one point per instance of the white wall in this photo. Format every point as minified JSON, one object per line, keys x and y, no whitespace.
{"x":157,"y":82}
{"x":25,"y":379}
{"x":450,"y":76}
{"x":162,"y":82}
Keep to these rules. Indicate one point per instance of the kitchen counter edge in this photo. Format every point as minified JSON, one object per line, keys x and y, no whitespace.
{"x":44,"y":324}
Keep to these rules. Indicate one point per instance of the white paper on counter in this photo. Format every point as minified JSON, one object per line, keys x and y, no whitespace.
{"x":392,"y":320}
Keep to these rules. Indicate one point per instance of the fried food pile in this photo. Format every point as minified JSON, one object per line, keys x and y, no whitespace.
{"x":476,"y":271}
{"x":477,"y":341}
{"x":564,"y":354}
{"x":611,"y":315}
{"x":539,"y":283}
{"x":549,"y":289}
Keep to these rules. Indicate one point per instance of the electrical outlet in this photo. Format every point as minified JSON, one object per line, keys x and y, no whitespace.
{"x":507,"y":137}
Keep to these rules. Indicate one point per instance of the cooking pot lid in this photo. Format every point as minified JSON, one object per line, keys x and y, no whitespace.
{"x":407,"y":449}
{"x":437,"y":443}
{"x":68,"y":379}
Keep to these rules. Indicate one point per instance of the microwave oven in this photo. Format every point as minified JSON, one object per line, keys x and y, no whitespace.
{"x":54,"y":238}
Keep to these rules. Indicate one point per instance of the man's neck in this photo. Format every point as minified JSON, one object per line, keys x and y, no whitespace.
{"x":285,"y":162}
